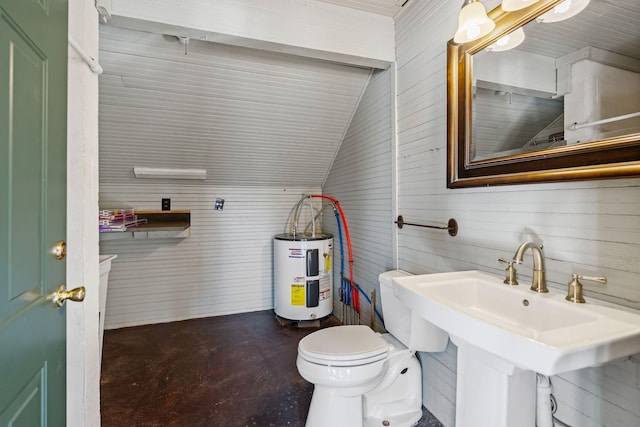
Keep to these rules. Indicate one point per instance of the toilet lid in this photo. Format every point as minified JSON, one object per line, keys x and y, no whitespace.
{"x":343,"y":345}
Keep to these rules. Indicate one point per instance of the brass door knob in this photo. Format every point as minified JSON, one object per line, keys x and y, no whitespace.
{"x":61,"y":295}
{"x":60,"y":249}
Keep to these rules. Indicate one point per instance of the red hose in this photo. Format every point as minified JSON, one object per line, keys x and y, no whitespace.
{"x":355,"y":295}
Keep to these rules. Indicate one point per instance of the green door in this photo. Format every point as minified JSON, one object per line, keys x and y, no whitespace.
{"x":33,"y":86}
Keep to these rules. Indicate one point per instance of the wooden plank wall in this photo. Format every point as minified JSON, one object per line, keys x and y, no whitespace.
{"x":361,"y":180}
{"x":265,"y":126}
{"x":586,"y":227}
{"x":248,"y":117}
{"x":224,"y":267}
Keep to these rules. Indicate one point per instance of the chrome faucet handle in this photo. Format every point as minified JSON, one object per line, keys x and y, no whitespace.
{"x":510,"y":272}
{"x":575,"y":287}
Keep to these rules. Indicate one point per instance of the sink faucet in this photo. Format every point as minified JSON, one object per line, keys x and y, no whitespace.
{"x":539,"y":283}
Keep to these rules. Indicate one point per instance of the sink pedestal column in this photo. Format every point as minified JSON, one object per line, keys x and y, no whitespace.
{"x":491,"y":391}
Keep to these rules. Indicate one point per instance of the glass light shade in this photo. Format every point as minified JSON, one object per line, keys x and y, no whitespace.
{"x":511,"y":5}
{"x":564,"y":10}
{"x":508,"y":42}
{"x":473,"y":23}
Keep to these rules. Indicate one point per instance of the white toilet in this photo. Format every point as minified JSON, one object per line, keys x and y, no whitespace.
{"x":362,"y":378}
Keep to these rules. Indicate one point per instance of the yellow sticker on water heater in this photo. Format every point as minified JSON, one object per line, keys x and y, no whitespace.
{"x":327,"y":262}
{"x":297,"y":294}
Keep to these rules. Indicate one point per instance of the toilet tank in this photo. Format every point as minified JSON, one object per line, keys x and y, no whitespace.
{"x":411,"y":330}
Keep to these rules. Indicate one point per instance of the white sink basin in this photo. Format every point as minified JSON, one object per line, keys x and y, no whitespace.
{"x":543,"y":333}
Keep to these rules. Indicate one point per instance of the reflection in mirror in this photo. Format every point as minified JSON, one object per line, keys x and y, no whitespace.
{"x":558,"y":82}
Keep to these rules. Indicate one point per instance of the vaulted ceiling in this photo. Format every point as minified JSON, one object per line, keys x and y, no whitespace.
{"x":249,"y":117}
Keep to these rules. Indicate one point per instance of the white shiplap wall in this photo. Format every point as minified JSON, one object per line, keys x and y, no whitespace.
{"x":586,"y":227}
{"x":266,"y":127}
{"x":223,"y":267}
{"x":248,"y":117}
{"x":361,"y":180}
{"x":381,"y":7}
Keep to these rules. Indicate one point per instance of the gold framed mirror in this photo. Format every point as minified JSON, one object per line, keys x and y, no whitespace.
{"x":588,"y":129}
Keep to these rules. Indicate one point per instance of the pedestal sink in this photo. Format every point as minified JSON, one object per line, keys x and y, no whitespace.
{"x":505,"y":334}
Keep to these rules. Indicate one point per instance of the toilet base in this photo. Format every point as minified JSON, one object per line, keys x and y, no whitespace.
{"x":409,"y":419}
{"x":398,"y":398}
{"x":330,"y":408}
{"x":395,"y":398}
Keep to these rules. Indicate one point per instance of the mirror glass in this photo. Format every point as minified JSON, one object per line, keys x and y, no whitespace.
{"x":564,"y":76}
{"x":547,"y":85}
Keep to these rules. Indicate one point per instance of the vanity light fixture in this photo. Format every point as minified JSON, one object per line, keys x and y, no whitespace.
{"x":473,"y":22}
{"x":564,"y":10}
{"x":508,"y":42}
{"x":511,"y":5}
{"x":144,"y":172}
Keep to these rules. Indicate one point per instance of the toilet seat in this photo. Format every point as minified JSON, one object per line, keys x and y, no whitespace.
{"x":352,"y":345}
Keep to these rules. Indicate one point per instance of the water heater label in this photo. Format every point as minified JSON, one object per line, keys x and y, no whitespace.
{"x":296,"y":253}
{"x":297,"y":294}
{"x":325,"y":288}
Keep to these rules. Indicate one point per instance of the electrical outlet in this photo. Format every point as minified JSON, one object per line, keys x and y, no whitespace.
{"x":166,"y":204}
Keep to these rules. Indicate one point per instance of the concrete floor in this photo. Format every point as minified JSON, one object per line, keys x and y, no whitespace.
{"x":226,"y":371}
